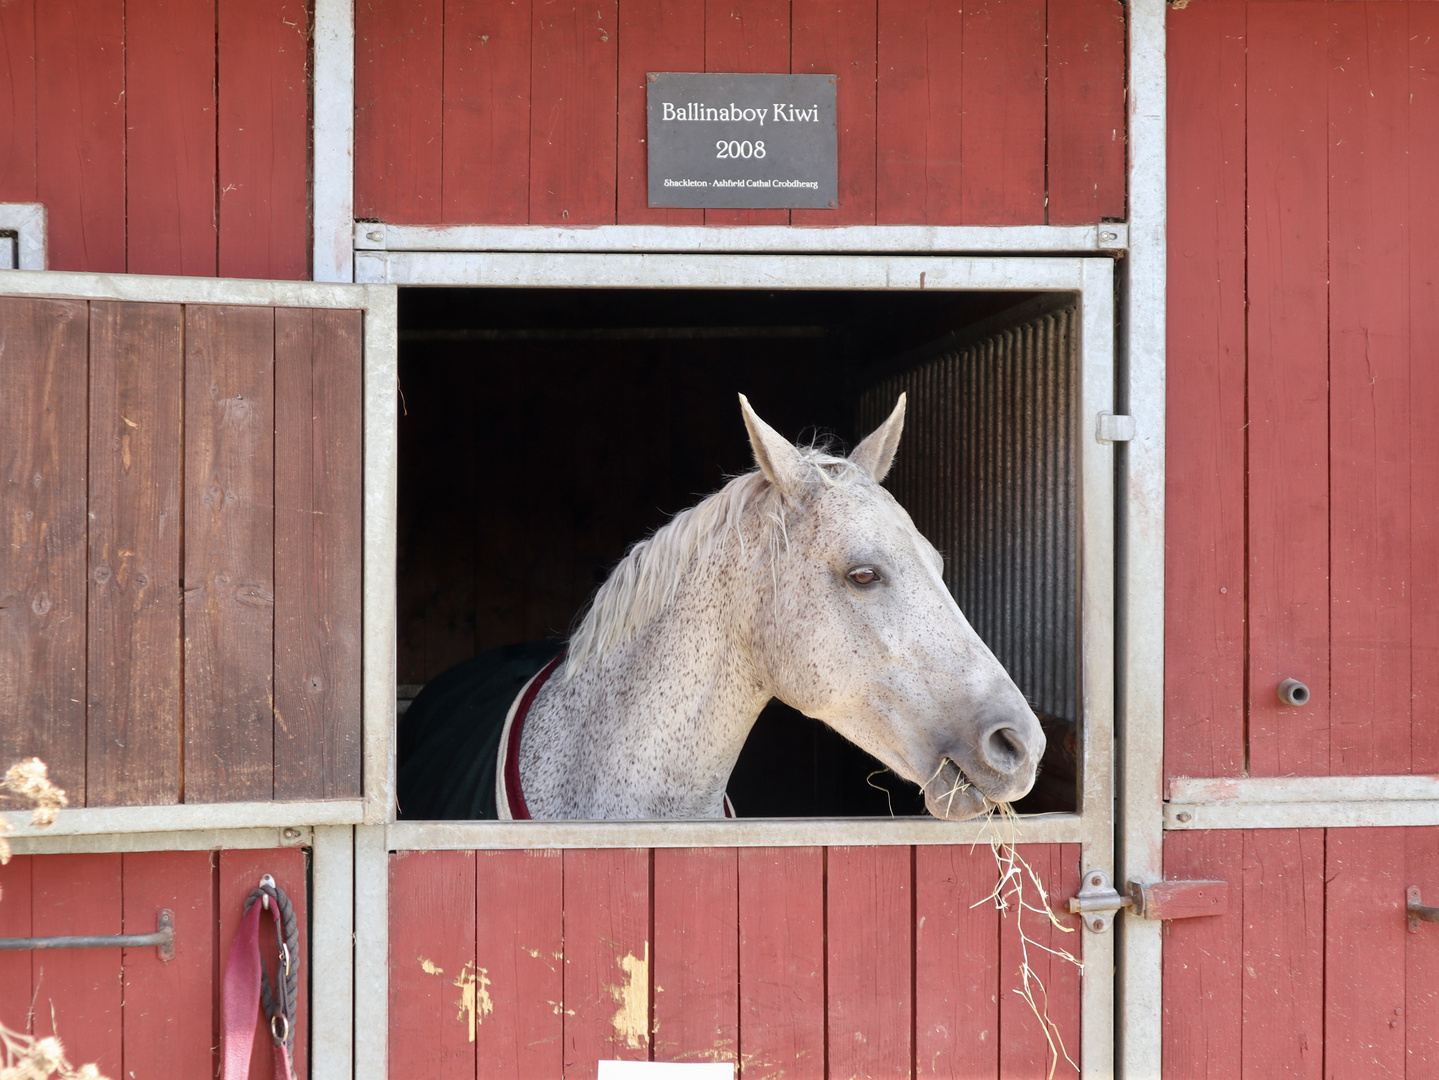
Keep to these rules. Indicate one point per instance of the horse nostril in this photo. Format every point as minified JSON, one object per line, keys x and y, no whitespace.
{"x":1004,"y":750}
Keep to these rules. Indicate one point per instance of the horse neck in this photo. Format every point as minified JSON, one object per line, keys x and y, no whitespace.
{"x":653,"y":729}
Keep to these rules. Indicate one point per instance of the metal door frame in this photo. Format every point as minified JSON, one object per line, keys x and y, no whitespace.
{"x":1092,"y":280}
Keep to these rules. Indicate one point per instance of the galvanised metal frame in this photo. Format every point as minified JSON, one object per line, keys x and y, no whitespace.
{"x":1092,"y":279}
{"x":1140,"y":715}
{"x":745,"y":239}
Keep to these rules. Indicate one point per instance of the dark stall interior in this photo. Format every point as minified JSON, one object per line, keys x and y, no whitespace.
{"x":545,"y":431}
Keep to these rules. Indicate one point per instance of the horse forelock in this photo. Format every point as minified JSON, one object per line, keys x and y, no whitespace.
{"x":647,"y":579}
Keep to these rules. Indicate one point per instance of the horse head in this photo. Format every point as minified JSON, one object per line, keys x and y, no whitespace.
{"x":855,"y":627}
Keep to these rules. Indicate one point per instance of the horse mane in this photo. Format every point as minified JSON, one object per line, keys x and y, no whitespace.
{"x":647,"y":579}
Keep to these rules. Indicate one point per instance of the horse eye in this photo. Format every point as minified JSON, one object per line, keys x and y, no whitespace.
{"x":864,"y":575}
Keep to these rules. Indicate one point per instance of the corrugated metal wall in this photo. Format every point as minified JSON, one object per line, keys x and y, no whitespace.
{"x":987,"y":471}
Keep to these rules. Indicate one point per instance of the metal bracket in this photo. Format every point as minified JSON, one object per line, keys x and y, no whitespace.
{"x":1110,"y":428}
{"x":1097,"y":902}
{"x":1414,"y":906}
{"x":163,"y":939}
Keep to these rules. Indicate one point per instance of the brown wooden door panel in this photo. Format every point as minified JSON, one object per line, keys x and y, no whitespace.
{"x":180,"y":581}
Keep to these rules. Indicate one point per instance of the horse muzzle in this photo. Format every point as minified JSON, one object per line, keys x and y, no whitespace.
{"x":997,"y":767}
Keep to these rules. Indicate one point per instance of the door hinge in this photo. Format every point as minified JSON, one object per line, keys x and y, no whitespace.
{"x":1098,"y":901}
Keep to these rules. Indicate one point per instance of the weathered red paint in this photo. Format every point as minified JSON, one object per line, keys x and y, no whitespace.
{"x":126,"y":1010}
{"x":1002,"y":114}
{"x":163,"y":136}
{"x":802,"y":961}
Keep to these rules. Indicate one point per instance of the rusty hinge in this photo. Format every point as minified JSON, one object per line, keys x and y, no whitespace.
{"x":1098,"y":900}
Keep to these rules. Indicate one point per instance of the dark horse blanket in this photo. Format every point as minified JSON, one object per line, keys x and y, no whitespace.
{"x":451,"y":735}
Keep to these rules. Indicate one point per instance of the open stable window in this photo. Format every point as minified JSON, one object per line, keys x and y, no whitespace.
{"x":546,"y":430}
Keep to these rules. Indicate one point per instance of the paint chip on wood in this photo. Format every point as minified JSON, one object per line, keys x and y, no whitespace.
{"x":632,"y":1019}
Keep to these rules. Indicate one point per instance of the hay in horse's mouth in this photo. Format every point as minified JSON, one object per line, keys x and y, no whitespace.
{"x":954,"y":785}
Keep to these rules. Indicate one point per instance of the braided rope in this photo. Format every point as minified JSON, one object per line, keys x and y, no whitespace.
{"x":287,"y":973}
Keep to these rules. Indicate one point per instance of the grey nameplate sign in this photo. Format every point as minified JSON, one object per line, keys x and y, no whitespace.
{"x":742,"y":141}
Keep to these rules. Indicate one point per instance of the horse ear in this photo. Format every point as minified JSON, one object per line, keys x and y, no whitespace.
{"x":876,"y":453}
{"x":773,"y":453}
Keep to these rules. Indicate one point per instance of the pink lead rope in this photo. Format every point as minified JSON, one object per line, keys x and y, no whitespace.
{"x":241,"y":996}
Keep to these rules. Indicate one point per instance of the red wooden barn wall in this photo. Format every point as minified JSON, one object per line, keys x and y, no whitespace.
{"x":127,"y":1011}
{"x":1303,"y":473}
{"x":164,"y":136}
{"x":180,"y":601}
{"x":1009,"y":112}
{"x":797,"y":962}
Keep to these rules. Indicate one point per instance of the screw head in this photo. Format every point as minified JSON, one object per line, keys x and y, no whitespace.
{"x":1109,"y":236}
{"x":291,"y":834}
{"x":1183,"y":816}
{"x":375,"y":235}
{"x":1099,"y":924}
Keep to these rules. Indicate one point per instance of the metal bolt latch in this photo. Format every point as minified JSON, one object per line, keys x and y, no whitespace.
{"x":1414,"y":906}
{"x":1098,"y":901}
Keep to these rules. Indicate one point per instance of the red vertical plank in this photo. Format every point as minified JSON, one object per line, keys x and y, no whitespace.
{"x":1364,"y":946}
{"x":264,"y":125}
{"x":486,"y":119}
{"x":1421,"y":957}
{"x":168,"y":1002}
{"x":869,"y":913}
{"x":1204,"y":476}
{"x":655,"y":35}
{"x":572,"y":113}
{"x":1002,"y":134}
{"x":781,"y":963}
{"x":136,"y":402}
{"x":1284,"y":969}
{"x":17,"y":102}
{"x":1024,"y":1049}
{"x":240,"y":873}
{"x":170,"y":137}
{"x":433,"y":982}
{"x":840,"y":39}
{"x":696,"y":955}
{"x":42,"y":504}
{"x":1369,"y":466}
{"x":607,"y":958}
{"x":1086,"y":143}
{"x":521,"y":951}
{"x":78,"y":991}
{"x":919,"y":121}
{"x":747,"y":36}
{"x":229,"y":553}
{"x":15,"y":992}
{"x":956,"y":959}
{"x":1203,"y":982}
{"x":1424,"y":383}
{"x":1288,"y":386}
{"x":319,"y":433}
{"x":80,"y":131}
{"x":399,"y":65}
